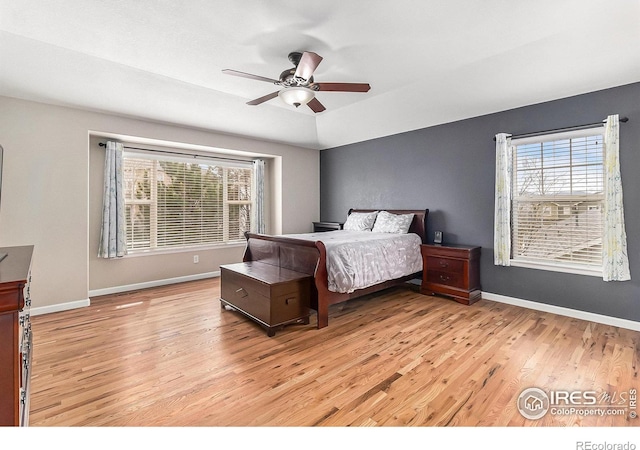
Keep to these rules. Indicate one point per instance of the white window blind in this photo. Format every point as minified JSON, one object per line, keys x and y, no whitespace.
{"x":557,"y":206}
{"x":177,"y":203}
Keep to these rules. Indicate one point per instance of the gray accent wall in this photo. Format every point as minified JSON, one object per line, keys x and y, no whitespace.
{"x":450,"y":169}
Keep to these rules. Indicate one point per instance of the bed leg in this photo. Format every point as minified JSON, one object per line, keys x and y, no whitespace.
{"x":323,"y":316}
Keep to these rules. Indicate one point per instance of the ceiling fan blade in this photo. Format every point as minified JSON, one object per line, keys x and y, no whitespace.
{"x":343,"y":87}
{"x":307,"y":65}
{"x":250,"y":76}
{"x":315,"y":105}
{"x":263,"y":99}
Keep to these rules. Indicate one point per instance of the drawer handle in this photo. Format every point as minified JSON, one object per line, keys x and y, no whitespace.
{"x":290,"y":299}
{"x":243,"y":291}
{"x":444,"y":264}
{"x":444,"y":278}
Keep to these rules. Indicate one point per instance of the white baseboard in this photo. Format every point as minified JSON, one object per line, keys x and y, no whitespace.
{"x":576,"y":314}
{"x":116,"y":290}
{"x":60,"y":307}
{"x":154,"y":283}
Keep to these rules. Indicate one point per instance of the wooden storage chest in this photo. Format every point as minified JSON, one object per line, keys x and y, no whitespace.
{"x":270,"y":295}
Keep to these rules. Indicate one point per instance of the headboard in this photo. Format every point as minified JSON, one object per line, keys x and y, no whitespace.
{"x":418,"y":225}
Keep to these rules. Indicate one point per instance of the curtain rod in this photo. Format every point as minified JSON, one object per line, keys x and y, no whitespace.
{"x":556,"y":130}
{"x":102,"y":144}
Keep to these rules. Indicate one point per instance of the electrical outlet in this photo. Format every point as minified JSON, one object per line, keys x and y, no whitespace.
{"x":196,"y":259}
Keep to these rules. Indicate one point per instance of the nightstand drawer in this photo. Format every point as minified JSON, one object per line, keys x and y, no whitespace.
{"x":447,"y":278}
{"x":445,"y":264}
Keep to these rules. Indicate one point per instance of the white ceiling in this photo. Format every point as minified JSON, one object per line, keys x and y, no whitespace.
{"x":428,"y":61}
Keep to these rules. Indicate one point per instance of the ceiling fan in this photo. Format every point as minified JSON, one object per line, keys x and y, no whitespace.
{"x":298,"y":85}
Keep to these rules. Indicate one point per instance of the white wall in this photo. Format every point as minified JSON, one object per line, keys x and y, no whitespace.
{"x":45,"y":192}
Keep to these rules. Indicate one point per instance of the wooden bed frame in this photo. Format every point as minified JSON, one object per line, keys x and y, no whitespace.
{"x":311,"y":258}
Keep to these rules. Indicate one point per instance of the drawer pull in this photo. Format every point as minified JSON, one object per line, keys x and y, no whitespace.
{"x":444,"y":264}
{"x":289,"y":300}
{"x":244,"y":293}
{"x":444,"y":278}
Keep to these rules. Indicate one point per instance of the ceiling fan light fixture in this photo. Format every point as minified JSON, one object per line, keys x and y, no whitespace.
{"x":296,"y":95}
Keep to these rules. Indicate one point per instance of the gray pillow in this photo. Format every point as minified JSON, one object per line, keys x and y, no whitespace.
{"x":392,"y":223}
{"x":360,"y":221}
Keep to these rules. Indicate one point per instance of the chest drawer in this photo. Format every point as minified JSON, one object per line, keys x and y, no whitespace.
{"x":245,"y":293}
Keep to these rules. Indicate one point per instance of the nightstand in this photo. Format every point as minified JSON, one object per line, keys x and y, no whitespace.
{"x":451,"y":270}
{"x":326,"y":226}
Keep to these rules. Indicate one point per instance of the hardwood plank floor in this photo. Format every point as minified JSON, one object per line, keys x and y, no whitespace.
{"x":170,"y":356}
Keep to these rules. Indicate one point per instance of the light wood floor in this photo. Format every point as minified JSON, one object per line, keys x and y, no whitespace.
{"x":171,"y":357}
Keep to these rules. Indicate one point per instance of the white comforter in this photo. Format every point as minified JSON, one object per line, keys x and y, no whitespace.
{"x":359,"y":259}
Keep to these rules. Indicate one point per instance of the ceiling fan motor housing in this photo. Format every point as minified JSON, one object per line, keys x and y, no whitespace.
{"x":288,"y":78}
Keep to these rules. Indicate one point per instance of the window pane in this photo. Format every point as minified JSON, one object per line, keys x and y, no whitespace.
{"x":529,"y":182}
{"x":185,"y":204}
{"x":137,"y":218}
{"x":239,"y":221}
{"x":557,"y":206}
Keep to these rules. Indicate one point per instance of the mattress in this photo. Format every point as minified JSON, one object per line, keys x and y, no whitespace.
{"x":359,"y":259}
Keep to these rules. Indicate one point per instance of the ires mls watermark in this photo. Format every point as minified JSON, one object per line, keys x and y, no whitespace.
{"x":534,"y":403}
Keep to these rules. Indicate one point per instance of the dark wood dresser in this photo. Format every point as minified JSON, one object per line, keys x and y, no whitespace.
{"x":451,"y":270}
{"x":270,"y":295}
{"x":15,"y":335}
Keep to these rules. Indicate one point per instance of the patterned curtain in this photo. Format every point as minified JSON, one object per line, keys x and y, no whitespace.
{"x":502,"y":233}
{"x":615,"y":261}
{"x":258,"y":219}
{"x":113,"y":238}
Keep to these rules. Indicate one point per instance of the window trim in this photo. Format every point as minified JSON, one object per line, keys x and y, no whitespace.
{"x":563,"y":267}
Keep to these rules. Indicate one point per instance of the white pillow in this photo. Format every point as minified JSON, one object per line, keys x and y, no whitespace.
{"x":392,"y":223}
{"x":360,"y":221}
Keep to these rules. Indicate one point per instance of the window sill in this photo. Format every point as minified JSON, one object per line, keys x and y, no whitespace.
{"x":595,"y":272}
{"x":169,"y":251}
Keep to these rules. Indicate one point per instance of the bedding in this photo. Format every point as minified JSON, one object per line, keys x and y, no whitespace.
{"x":359,"y":259}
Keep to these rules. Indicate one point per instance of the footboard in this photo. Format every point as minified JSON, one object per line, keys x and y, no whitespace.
{"x":293,"y":254}
{"x":301,"y":256}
